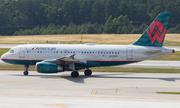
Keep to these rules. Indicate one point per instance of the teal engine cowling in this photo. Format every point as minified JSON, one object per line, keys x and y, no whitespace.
{"x":48,"y":67}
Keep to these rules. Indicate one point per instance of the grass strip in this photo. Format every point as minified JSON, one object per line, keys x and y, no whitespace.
{"x":134,"y":70}
{"x":16,"y":67}
{"x":174,"y":57}
{"x":168,"y":93}
{"x":3,"y":50}
{"x":171,"y":39}
{"x":102,"y":69}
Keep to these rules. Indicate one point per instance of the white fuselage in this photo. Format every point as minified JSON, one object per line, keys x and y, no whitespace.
{"x":84,"y":52}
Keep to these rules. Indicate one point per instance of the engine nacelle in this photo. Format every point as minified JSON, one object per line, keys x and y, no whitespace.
{"x":48,"y":67}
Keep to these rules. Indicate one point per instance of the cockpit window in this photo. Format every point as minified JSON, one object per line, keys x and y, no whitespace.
{"x":11,"y":51}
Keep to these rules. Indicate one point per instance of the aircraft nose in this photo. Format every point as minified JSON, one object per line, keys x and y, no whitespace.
{"x":3,"y":57}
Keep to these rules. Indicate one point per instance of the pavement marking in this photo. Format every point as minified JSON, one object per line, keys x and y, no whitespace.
{"x":60,"y":105}
{"x":175,"y":99}
{"x":94,"y":92}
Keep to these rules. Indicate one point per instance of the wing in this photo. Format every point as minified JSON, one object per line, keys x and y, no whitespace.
{"x":65,"y":60}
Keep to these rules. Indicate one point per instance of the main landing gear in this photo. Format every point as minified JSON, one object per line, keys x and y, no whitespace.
{"x":26,"y":71}
{"x":87,"y":72}
{"x":75,"y":74}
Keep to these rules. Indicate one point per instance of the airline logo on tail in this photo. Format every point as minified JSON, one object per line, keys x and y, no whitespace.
{"x":156,"y":31}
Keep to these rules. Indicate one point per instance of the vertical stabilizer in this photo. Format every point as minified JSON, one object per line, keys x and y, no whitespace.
{"x":155,"y":33}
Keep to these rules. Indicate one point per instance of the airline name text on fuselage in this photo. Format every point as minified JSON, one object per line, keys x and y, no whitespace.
{"x":45,"y":48}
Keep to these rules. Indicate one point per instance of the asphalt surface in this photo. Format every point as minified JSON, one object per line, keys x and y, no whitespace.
{"x":7,"y":45}
{"x":101,"y":90}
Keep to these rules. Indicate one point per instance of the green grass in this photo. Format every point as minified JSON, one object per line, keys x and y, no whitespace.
{"x":168,"y":93}
{"x":134,"y":70}
{"x":14,"y":43}
{"x":174,"y":57}
{"x":3,"y":50}
{"x":171,"y":43}
{"x":102,"y":69}
{"x":16,"y":67}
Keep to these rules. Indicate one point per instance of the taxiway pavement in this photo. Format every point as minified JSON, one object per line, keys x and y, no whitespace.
{"x":101,"y":90}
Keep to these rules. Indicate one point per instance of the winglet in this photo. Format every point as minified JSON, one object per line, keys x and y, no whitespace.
{"x":155,"y":33}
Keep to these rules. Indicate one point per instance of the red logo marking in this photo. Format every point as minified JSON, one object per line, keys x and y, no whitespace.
{"x":72,"y":56}
{"x":156,"y":31}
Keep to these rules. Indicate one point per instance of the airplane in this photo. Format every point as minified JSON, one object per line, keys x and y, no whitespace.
{"x":54,"y":58}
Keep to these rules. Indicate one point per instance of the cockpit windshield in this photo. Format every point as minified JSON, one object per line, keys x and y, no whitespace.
{"x":11,"y":51}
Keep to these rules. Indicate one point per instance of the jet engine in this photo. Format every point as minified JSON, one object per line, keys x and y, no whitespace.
{"x":48,"y":67}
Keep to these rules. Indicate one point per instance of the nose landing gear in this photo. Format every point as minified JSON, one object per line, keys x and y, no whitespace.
{"x":26,"y":71}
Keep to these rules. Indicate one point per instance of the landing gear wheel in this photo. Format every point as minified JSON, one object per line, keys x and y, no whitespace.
{"x":87,"y":72}
{"x":26,"y":73}
{"x":75,"y":74}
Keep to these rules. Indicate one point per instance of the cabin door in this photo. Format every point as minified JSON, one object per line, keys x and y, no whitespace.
{"x":22,"y":52}
{"x":129,"y":53}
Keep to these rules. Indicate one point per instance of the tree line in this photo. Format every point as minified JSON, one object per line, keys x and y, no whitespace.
{"x":30,"y":17}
